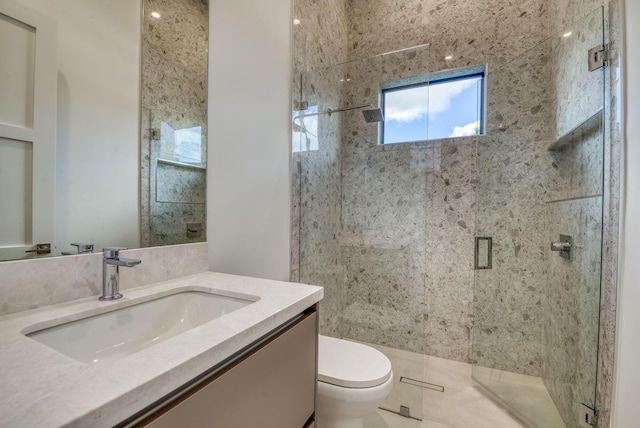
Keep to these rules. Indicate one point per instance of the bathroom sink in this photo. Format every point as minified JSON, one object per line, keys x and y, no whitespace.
{"x":122,"y":332}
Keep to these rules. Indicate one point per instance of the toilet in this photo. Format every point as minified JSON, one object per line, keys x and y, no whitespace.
{"x":353,"y":380}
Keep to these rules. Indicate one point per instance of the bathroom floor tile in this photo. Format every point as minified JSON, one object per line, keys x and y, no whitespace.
{"x":461,"y":405}
{"x":383,"y":419}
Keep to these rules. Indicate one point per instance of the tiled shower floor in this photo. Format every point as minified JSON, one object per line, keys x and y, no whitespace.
{"x":461,"y":405}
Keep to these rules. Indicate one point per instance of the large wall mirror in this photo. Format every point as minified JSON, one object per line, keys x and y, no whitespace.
{"x":131,"y":126}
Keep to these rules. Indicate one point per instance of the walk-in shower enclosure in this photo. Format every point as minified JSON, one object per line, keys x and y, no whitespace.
{"x":443,"y":247}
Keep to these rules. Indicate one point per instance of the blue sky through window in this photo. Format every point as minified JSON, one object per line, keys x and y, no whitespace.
{"x":450,"y":108}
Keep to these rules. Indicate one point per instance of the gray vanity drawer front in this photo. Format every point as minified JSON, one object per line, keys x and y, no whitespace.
{"x":274,"y":387}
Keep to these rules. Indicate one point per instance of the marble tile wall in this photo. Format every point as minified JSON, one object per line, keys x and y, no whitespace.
{"x":174,"y":80}
{"x":30,"y":284}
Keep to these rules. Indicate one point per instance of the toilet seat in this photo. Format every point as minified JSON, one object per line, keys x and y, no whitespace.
{"x":351,"y":365}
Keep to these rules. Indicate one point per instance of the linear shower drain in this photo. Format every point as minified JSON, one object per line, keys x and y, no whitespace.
{"x":422,"y":384}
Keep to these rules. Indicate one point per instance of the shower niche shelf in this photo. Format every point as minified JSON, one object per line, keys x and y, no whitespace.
{"x":578,"y":133}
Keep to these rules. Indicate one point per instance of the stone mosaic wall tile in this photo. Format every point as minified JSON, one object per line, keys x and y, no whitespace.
{"x":578,"y":91}
{"x":518,"y":177}
{"x":177,"y":198}
{"x":169,"y":86}
{"x":319,"y":39}
{"x":493,"y":31}
{"x":320,"y":209}
{"x":319,"y":231}
{"x":181,"y":33}
{"x":566,"y":12}
{"x":383,"y":246}
{"x":515,"y":177}
{"x":180,"y":184}
{"x":572,"y":306}
{"x":170,"y":221}
{"x":174,"y":80}
{"x":450,"y":220}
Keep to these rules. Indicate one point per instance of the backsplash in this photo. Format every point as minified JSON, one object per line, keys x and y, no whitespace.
{"x":30,"y":284}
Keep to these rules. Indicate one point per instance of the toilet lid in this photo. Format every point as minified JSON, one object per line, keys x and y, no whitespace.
{"x":350,"y":364}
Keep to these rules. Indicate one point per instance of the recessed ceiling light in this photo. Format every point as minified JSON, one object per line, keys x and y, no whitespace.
{"x":448,"y":57}
{"x":155,"y":14}
{"x":296,"y":21}
{"x":566,"y":34}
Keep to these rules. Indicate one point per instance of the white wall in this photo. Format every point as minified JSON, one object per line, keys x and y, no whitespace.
{"x":248,"y":181}
{"x":627,"y":372}
{"x":97,"y":148}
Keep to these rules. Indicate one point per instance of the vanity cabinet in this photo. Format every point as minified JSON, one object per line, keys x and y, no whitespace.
{"x":271,"y":385}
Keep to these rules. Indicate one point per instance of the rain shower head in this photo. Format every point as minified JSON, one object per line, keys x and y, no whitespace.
{"x":373,"y":115}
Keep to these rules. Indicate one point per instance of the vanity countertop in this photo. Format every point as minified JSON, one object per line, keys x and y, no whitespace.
{"x":40,"y":387}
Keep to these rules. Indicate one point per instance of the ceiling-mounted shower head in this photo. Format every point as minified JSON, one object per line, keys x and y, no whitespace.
{"x":373,"y":115}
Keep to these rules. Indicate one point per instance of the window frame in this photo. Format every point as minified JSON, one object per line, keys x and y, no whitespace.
{"x":435,"y":78}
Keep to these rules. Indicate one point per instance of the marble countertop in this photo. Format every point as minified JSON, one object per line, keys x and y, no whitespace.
{"x":40,"y":387}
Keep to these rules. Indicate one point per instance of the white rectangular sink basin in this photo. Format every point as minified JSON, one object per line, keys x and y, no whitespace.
{"x":124,"y":331}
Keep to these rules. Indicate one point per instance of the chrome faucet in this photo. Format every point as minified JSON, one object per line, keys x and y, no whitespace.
{"x":81,"y":249}
{"x":111,"y":263}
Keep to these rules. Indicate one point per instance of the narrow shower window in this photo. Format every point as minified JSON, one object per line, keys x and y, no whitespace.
{"x":440,"y":105}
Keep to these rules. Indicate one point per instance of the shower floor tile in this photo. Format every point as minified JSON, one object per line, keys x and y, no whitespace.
{"x":461,"y":405}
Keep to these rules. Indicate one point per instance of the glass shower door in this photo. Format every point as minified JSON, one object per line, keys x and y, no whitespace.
{"x":540,"y":181}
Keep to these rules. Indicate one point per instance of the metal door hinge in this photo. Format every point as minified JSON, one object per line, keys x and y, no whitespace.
{"x":587,"y":416}
{"x":564,"y":246}
{"x":155,"y":133}
{"x":597,"y":57}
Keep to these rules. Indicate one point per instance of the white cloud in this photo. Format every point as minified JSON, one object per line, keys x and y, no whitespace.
{"x":440,"y":96}
{"x":466,"y":130}
{"x":409,"y":105}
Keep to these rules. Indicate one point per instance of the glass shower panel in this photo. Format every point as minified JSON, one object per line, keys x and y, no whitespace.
{"x":362,"y":215}
{"x":540,"y":176}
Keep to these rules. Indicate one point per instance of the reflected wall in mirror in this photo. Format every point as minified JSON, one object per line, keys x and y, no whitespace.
{"x":102,"y":197}
{"x":174,"y":121}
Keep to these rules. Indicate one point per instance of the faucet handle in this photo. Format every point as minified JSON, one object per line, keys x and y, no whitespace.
{"x":111,"y":252}
{"x":83,"y":248}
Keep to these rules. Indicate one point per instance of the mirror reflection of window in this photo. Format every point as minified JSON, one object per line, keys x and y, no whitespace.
{"x":181,"y":145}
{"x":305,"y":130}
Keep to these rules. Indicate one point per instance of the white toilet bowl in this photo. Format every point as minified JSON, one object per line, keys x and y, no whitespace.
{"x":353,"y":380}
